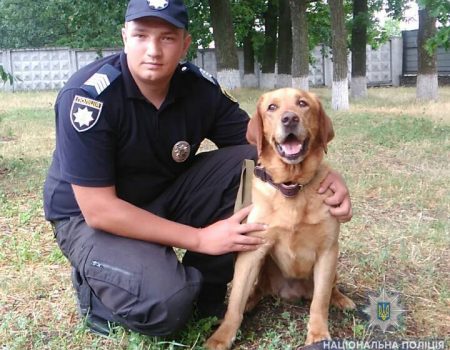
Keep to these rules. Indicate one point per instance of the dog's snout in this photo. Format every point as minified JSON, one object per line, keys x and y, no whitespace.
{"x":290,"y":119}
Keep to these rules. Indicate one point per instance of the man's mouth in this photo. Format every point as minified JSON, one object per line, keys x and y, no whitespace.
{"x":292,"y":148}
{"x":152,"y":64}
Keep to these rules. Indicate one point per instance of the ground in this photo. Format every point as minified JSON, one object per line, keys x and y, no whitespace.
{"x":394,"y":155}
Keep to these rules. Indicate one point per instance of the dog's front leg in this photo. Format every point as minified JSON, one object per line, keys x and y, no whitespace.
{"x":246,"y":271}
{"x":324,"y":274}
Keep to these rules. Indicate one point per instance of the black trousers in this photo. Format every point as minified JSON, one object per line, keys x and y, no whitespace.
{"x":143,"y":285}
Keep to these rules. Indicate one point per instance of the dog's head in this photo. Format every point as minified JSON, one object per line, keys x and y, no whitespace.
{"x":292,"y":123}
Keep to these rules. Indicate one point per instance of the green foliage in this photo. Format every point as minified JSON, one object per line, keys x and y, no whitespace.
{"x":199,"y":25}
{"x":440,"y":9}
{"x":319,"y":26}
{"x":5,"y":76}
{"x":80,"y":24}
{"x":246,"y":14}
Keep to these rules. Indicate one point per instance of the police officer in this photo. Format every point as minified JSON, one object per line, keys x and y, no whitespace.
{"x":126,"y":183}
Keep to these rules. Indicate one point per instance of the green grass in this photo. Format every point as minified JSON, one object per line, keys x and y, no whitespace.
{"x":394,"y":155}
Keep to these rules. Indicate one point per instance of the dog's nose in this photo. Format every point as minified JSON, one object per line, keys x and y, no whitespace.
{"x":289,"y":119}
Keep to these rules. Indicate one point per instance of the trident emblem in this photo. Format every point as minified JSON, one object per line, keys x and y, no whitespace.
{"x":383,"y":310}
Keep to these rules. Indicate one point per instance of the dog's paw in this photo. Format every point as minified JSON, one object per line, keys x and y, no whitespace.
{"x":215,"y":343}
{"x":317,"y":336}
{"x":342,"y":302}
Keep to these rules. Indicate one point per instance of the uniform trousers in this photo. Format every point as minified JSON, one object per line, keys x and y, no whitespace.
{"x":143,"y":285}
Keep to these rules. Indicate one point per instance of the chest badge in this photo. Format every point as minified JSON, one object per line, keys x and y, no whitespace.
{"x":181,"y":151}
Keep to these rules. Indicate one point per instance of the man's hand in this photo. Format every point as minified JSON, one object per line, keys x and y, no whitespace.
{"x":230,"y":235}
{"x":341,"y":206}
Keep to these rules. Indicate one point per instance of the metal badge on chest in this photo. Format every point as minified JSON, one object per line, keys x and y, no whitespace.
{"x":181,"y":151}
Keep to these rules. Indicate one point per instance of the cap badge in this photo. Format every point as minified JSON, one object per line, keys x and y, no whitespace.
{"x":158,"y":4}
{"x":181,"y":151}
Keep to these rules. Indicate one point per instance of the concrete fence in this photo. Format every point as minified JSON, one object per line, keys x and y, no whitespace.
{"x":50,"y":68}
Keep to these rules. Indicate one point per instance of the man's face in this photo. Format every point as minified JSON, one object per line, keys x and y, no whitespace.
{"x":154,"y":48}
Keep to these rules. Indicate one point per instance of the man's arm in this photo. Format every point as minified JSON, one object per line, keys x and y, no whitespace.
{"x":103,"y":210}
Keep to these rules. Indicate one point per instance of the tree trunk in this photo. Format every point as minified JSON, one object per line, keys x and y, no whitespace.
{"x":270,"y":45}
{"x":358,"y":86}
{"x":284,"y":53}
{"x":300,"y":44}
{"x":427,"y":79}
{"x":226,"y":52}
{"x":249,"y":79}
{"x":339,"y":87}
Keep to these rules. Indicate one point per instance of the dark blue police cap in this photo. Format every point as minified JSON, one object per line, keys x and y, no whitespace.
{"x":172,"y":11}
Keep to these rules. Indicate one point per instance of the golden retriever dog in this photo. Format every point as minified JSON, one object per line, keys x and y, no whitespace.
{"x":300,"y":253}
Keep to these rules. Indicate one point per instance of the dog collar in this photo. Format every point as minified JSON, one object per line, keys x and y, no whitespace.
{"x":287,"y":189}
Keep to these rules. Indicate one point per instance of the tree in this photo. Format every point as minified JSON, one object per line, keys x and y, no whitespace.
{"x":247,"y":15}
{"x":339,"y":88}
{"x":427,"y":80}
{"x":358,"y":48}
{"x":199,"y":25}
{"x":284,"y":52}
{"x":80,"y":24}
{"x":270,"y":45}
{"x":300,"y":44}
{"x":439,"y":9}
{"x":249,"y":79}
{"x":226,"y":52}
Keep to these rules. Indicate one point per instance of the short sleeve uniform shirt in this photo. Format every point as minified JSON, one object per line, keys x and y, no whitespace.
{"x":109,"y":134}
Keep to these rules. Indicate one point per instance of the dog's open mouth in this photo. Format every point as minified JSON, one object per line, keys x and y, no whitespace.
{"x":292,"y":148}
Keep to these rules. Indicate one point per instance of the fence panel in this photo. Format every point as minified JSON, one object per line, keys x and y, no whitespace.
{"x":43,"y":69}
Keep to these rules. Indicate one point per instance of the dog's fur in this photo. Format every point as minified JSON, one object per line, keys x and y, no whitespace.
{"x":298,"y":260}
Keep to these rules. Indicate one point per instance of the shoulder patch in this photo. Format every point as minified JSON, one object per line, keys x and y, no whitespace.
{"x":227,"y":94}
{"x":98,"y":82}
{"x":190,"y":67}
{"x":84,"y":113}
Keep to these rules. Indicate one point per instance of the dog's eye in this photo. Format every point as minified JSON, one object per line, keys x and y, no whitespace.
{"x":272,"y":107}
{"x":302,"y":103}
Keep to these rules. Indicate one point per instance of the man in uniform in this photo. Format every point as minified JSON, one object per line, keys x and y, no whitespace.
{"x":126,"y":186}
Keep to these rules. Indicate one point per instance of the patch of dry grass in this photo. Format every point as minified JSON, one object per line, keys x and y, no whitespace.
{"x":394,"y":154}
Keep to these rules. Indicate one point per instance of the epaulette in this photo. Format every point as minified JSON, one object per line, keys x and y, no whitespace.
{"x":190,"y":67}
{"x":98,"y":82}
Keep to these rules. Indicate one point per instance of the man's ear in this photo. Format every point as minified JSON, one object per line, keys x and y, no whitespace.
{"x":255,"y":130}
{"x":124,"y":38}
{"x":187,"y":40}
{"x":326,"y":132}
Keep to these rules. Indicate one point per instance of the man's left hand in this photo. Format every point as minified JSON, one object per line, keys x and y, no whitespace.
{"x":341,"y":206}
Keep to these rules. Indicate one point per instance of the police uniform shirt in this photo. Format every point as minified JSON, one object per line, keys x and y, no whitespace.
{"x":107,"y":133}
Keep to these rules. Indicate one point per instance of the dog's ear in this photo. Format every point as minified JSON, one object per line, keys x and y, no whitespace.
{"x":326,"y":132}
{"x":255,"y":129}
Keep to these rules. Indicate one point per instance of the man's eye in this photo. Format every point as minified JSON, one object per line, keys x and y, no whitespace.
{"x":272,"y":107}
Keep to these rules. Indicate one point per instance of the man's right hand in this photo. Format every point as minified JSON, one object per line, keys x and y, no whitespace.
{"x":230,"y":235}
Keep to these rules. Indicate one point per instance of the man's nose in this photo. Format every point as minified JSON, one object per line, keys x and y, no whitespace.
{"x":153,"y":48}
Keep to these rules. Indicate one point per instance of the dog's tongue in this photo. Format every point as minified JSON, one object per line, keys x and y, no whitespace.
{"x":291,"y":147}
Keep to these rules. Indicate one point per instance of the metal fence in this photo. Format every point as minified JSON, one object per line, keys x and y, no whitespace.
{"x":50,"y":68}
{"x":410,"y":61}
